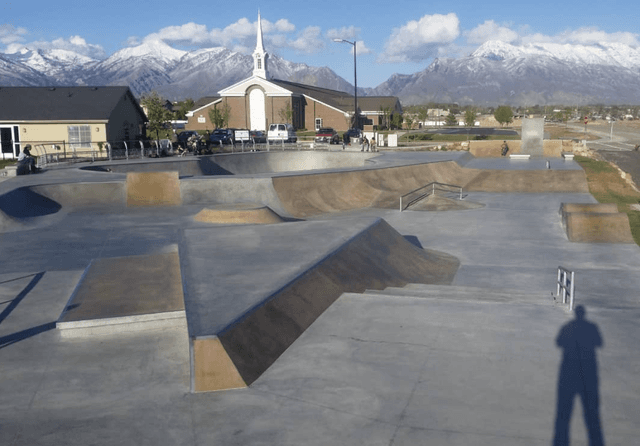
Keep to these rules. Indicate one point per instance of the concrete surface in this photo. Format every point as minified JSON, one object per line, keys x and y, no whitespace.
{"x":372,"y":369}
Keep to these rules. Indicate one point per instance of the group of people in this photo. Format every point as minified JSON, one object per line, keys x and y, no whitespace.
{"x":368,"y":145}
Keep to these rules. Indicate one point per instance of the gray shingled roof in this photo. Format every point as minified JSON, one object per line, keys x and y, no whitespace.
{"x":60,"y":103}
{"x":340,"y":99}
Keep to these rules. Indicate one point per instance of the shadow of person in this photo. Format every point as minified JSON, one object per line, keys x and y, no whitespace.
{"x":578,"y":376}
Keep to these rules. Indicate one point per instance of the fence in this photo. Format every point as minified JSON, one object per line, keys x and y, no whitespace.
{"x":54,"y":152}
{"x":566,"y":285}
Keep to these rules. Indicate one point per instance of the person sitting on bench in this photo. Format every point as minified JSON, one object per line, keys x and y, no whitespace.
{"x":26,"y":163}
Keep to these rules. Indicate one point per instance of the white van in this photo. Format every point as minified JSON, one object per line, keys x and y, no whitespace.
{"x":281,"y":132}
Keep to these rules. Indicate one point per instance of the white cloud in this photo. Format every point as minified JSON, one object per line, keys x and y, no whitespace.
{"x":10,"y":34}
{"x":74,"y":43}
{"x":308,"y":41}
{"x":346,"y":32}
{"x":585,"y":36}
{"x":238,"y":36}
{"x":421,"y":39}
{"x":490,"y":30}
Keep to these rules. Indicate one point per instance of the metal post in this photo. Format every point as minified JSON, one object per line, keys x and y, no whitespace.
{"x":572,"y":289}
{"x":400,"y":204}
{"x":126,"y":149}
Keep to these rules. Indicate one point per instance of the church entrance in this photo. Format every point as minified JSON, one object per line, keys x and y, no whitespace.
{"x":256,"y":106}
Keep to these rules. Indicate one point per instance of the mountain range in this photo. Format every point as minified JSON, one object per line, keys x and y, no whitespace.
{"x":496,"y":73}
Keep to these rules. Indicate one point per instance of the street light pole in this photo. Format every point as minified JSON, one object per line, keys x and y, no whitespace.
{"x":355,"y":80}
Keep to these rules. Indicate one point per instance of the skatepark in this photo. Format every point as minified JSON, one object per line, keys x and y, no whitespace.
{"x":284,"y":298}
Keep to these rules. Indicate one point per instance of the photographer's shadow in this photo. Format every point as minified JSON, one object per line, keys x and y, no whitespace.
{"x":578,"y":376}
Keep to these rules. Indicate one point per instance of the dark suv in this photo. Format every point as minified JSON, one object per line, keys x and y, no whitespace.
{"x":222,"y":136}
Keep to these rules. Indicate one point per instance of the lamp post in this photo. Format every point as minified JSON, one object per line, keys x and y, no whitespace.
{"x":355,"y":80}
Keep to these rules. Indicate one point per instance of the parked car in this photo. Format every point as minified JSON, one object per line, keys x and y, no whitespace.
{"x":281,"y":132}
{"x":327,"y":135}
{"x":258,"y":136}
{"x":222,"y":136}
{"x":351,"y":134}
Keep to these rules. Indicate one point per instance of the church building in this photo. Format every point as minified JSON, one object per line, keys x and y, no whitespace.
{"x":259,"y":101}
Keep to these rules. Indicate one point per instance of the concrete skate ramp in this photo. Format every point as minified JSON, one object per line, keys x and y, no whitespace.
{"x":73,"y":195}
{"x":307,"y":195}
{"x":153,"y":189}
{"x":375,"y":258}
{"x":595,"y":223}
{"x":312,"y":194}
{"x":125,"y":294}
{"x":243,"y":213}
{"x":528,"y":181}
{"x":242,"y":163}
{"x":271,"y":162}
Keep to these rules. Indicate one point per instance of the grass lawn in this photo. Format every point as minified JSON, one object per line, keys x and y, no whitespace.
{"x":606,"y":185}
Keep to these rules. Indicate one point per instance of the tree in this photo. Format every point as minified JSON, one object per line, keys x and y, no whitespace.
{"x":159,"y":117}
{"x":183,"y":107}
{"x":504,"y":115}
{"x":396,"y":120}
{"x":386,"y":113}
{"x":422,"y":114}
{"x":451,"y":119}
{"x":470,"y":117}
{"x":286,"y":113}
{"x":409,"y":121}
{"x":219,"y":116}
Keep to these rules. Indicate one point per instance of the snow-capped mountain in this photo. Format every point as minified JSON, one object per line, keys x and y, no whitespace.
{"x":546,"y":73}
{"x":496,"y":73}
{"x":154,"y":65}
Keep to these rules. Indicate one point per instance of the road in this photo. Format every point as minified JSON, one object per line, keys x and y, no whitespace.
{"x":617,"y":146}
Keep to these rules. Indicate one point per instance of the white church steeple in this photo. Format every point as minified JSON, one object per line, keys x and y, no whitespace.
{"x":260,"y":56}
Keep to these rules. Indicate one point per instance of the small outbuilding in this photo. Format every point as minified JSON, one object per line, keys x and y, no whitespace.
{"x":68,"y":119}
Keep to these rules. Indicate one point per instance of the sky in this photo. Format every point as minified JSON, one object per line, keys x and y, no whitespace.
{"x":392,"y":37}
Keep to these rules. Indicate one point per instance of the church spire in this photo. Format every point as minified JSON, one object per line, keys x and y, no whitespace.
{"x":259,"y":54}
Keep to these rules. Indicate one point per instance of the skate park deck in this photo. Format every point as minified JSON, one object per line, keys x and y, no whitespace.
{"x":372,"y":369}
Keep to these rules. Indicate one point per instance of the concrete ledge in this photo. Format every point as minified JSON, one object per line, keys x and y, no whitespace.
{"x":567,"y":156}
{"x":126,"y":324}
{"x":121,"y":291}
{"x":10,"y":171}
{"x":520,"y":156}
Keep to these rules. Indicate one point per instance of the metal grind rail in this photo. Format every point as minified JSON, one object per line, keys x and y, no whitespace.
{"x":433,"y":186}
{"x":566,"y":285}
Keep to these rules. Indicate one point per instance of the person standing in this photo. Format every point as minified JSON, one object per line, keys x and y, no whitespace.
{"x":373,"y":143}
{"x":505,"y":148}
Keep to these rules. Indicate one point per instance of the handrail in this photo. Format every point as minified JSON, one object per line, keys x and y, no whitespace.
{"x":566,"y":284}
{"x":433,"y":192}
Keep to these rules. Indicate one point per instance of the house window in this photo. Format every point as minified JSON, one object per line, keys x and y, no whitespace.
{"x":79,"y":136}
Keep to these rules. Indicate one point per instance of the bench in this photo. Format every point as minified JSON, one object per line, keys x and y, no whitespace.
{"x":520,"y":156}
{"x":567,"y":156}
